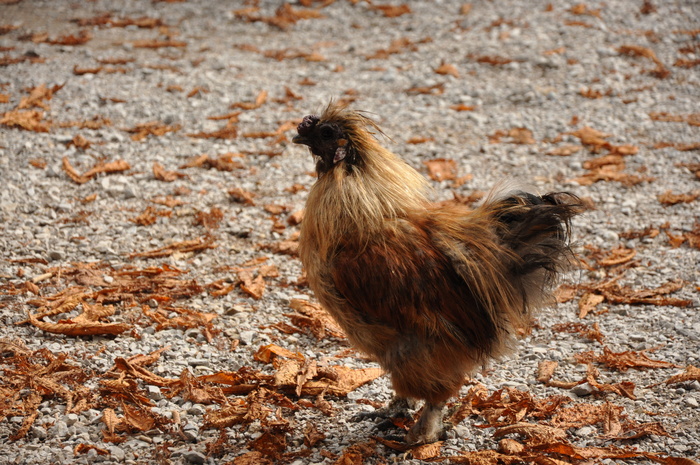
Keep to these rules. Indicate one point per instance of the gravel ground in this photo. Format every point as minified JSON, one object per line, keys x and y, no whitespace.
{"x":550,"y":67}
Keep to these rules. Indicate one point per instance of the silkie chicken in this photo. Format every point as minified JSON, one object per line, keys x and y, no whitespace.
{"x":430,"y":291}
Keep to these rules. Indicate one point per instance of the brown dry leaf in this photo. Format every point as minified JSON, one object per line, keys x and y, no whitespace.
{"x":347,"y":380}
{"x":185,"y":319}
{"x":392,"y":11}
{"x":240,"y":195}
{"x":435,"y":89}
{"x":491,"y":457}
{"x":152,"y":128}
{"x":592,"y":333}
{"x":260,"y":99}
{"x":86,"y":324}
{"x":447,"y":69}
{"x":168,"y":201}
{"x":182,"y":247}
{"x":313,"y":316}
{"x":38,"y":95}
{"x":660,"y":72}
{"x":590,"y":93}
{"x":138,"y":418}
{"x":235,"y":411}
{"x":691,"y":373}
{"x":583,"y":9}
{"x":545,"y":370}
{"x":565,"y":293}
{"x":312,"y":435}
{"x":521,"y":136}
{"x":462,"y":107}
{"x":161,"y":174}
{"x":611,"y":173}
{"x":155,"y":43}
{"x":286,"y":247}
{"x":692,"y":119}
{"x":83,"y":37}
{"x":649,"y":231}
{"x":669,"y":198}
{"x":85,"y":448}
{"x":80,"y":142}
{"x":137,"y":371}
{"x":592,"y":138}
{"x":210,"y":220}
{"x":565,"y":150}
{"x":286,"y":16}
{"x":229,"y":131}
{"x":622,"y":361}
{"x":150,"y":215}
{"x":224,"y":162}
{"x":624,"y":388}
{"x":543,"y":433}
{"x":117,"y":166}
{"x":617,"y":256}
{"x":109,"y":418}
{"x":635,"y":431}
{"x":615,"y":293}
{"x":296,"y":218}
{"x":253,"y":287}
{"x":274,"y":209}
{"x":582,"y":414}
{"x":397,"y":46}
{"x":268,"y":353}
{"x":427,"y":451}
{"x":490,"y":59}
{"x":441,"y":169}
{"x":97,"y":122}
{"x":357,"y":454}
{"x":588,"y":302}
{"x":29,"y":120}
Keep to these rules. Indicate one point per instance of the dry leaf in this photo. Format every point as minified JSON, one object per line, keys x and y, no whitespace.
{"x":253,"y":287}
{"x":545,"y":370}
{"x":29,"y":120}
{"x":691,"y":373}
{"x":161,"y":174}
{"x":441,"y":169}
{"x":588,"y":302}
{"x":462,"y":107}
{"x":622,"y":361}
{"x":565,"y":150}
{"x":392,"y":11}
{"x":153,"y":128}
{"x":242,"y":196}
{"x":268,"y":353}
{"x":669,"y":198}
{"x":182,"y":247}
{"x":447,"y":69}
{"x":313,"y":316}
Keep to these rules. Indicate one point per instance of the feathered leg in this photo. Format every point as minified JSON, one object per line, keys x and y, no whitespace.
{"x":398,"y":407}
{"x":429,"y":426}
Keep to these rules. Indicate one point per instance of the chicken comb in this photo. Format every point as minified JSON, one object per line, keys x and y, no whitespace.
{"x":307,"y":124}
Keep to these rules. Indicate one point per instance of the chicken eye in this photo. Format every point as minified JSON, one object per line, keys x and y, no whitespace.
{"x":327,"y":132}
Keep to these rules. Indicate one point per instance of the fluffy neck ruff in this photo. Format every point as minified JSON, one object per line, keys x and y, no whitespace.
{"x":353,"y":202}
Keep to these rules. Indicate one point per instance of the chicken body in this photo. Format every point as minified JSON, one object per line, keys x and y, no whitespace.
{"x":430,"y":291}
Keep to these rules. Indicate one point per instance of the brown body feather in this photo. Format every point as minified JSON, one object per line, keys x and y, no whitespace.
{"x":430,"y":291}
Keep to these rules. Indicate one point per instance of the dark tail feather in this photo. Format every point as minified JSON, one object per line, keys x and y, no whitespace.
{"x":537,"y":230}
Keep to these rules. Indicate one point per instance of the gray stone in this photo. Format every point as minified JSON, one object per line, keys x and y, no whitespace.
{"x":194,"y":457}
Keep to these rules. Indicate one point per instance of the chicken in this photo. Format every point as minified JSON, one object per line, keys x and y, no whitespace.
{"x":431,"y":291}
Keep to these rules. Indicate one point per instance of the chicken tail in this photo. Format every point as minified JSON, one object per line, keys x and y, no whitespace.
{"x":536,"y":230}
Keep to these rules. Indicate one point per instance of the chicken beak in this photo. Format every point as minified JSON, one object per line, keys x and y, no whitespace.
{"x":300,"y":140}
